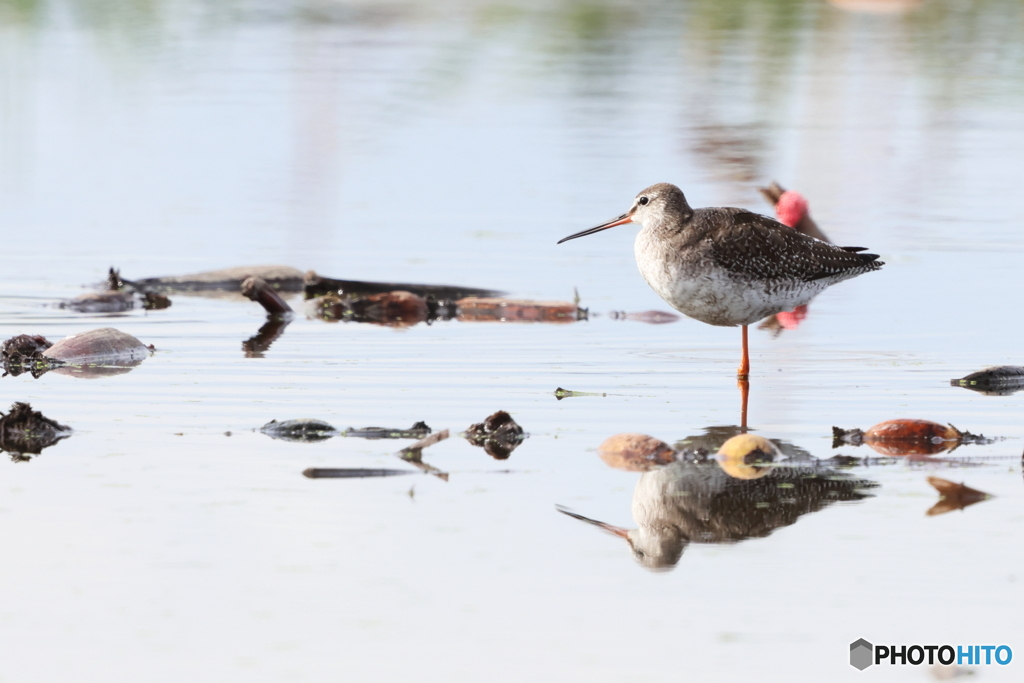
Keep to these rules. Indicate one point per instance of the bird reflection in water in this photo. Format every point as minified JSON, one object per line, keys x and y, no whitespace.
{"x":747,"y":490}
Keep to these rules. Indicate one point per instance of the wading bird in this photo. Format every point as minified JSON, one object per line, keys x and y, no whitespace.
{"x":729,"y":267}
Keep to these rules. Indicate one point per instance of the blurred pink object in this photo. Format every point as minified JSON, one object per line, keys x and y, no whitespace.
{"x":790,"y":320}
{"x":791,"y":209}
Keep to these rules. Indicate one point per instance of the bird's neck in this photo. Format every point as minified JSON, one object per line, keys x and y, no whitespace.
{"x":671,"y":225}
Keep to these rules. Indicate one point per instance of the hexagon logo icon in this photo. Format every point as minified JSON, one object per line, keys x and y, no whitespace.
{"x":861,"y":654}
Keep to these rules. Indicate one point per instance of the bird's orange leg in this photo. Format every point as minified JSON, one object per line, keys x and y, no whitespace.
{"x":744,"y":370}
{"x":744,"y":386}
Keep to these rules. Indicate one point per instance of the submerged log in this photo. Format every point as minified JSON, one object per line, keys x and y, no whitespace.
{"x":115,"y":302}
{"x":351,"y":472}
{"x":418,"y":431}
{"x":116,"y":298}
{"x":317,"y":430}
{"x":999,"y":380}
{"x":561,"y":393}
{"x":25,"y":432}
{"x":306,"y":430}
{"x":281,"y":278}
{"x":316,"y":285}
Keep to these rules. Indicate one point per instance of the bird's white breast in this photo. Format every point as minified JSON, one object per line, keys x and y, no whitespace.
{"x":690,"y":281}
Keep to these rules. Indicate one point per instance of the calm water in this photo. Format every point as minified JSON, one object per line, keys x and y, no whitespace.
{"x":455,"y":143}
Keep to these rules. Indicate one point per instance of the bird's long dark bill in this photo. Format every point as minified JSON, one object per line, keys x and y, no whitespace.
{"x":624,"y":218}
{"x":616,"y":530}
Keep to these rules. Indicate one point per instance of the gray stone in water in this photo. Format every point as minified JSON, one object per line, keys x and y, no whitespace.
{"x":306,"y":430}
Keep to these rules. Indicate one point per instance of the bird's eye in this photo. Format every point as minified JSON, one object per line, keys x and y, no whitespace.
{"x":642,"y":200}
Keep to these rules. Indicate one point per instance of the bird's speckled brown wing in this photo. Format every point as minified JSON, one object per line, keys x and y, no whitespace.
{"x":750,"y":244}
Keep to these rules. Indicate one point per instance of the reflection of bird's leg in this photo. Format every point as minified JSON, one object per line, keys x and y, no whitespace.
{"x":744,"y":386}
{"x":744,"y":370}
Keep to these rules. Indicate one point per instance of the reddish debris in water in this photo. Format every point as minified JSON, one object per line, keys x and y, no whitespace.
{"x":483,"y":309}
{"x":635,"y":452}
{"x":395,"y":309}
{"x":907,"y":437}
{"x":953,"y":496}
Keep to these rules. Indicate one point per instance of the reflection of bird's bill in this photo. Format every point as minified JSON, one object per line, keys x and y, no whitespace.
{"x":624,"y":218}
{"x":616,"y":530}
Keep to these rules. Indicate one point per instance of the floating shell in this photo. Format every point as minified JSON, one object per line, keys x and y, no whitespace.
{"x":635,"y":452}
{"x":97,"y":353}
{"x":912,"y":437}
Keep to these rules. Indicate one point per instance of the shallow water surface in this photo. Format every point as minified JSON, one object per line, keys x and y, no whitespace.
{"x":168,"y":538}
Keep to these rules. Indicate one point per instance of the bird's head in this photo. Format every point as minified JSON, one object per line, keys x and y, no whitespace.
{"x":651,"y":207}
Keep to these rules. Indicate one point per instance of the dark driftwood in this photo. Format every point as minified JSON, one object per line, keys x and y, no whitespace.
{"x":417,"y":431}
{"x":1000,"y":380}
{"x":259,"y":290}
{"x":116,"y":298}
{"x":414,"y":454}
{"x":351,"y":472}
{"x":258,"y":344}
{"x":308,"y":429}
{"x":316,"y":285}
{"x":281,"y":278}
